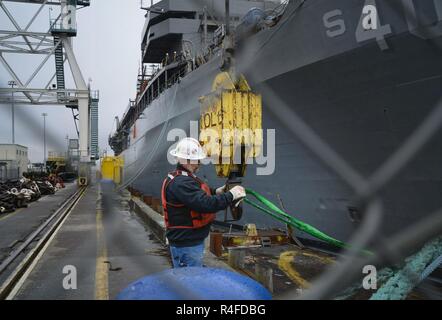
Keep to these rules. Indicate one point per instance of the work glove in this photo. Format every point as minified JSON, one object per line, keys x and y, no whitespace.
{"x":220,"y":190}
{"x":238,"y":193}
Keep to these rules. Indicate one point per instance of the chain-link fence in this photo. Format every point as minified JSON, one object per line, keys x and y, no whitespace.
{"x":367,"y":191}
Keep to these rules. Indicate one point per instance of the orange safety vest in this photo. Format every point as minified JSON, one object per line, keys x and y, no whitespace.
{"x":177,"y":215}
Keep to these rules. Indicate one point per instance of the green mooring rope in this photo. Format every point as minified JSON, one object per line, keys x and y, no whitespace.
{"x":411,"y":274}
{"x":272,"y":210}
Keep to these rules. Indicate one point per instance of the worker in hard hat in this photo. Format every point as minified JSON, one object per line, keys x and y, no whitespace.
{"x":190,"y":205}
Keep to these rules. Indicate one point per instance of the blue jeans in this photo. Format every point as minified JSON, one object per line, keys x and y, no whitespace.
{"x":187,"y":256}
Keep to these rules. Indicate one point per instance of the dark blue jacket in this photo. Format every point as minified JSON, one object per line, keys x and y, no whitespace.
{"x":185,"y":190}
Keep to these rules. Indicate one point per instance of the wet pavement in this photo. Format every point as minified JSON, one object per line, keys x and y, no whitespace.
{"x":101,"y":244}
{"x":20,"y":223}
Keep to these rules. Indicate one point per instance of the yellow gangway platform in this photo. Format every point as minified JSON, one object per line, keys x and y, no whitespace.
{"x":112,"y":168}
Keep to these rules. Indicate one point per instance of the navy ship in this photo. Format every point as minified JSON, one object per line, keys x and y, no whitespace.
{"x":363,"y":74}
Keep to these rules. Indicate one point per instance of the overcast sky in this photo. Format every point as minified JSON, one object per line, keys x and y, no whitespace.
{"x":107,"y":48}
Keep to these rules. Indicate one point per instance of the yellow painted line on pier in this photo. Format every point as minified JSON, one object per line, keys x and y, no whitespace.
{"x":285,"y":264}
{"x":101,"y":269}
{"x":323,"y":259}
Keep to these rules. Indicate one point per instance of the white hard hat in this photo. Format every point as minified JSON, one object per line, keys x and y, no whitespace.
{"x":190,"y":149}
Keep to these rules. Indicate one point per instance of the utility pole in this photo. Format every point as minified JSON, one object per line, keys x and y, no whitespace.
{"x":227,"y":4}
{"x":205,"y":28}
{"x":12,"y":83}
{"x":44,"y":115}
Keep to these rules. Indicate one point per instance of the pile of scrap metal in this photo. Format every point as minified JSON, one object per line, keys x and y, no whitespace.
{"x":16,"y":194}
{"x":56,"y":181}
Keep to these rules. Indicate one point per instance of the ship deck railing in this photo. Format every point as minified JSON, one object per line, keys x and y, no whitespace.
{"x":163,"y":78}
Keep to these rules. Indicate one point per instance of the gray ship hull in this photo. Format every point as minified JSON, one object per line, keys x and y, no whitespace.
{"x":362,"y":98}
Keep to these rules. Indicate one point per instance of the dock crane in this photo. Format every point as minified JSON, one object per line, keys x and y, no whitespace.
{"x":57,"y":42}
